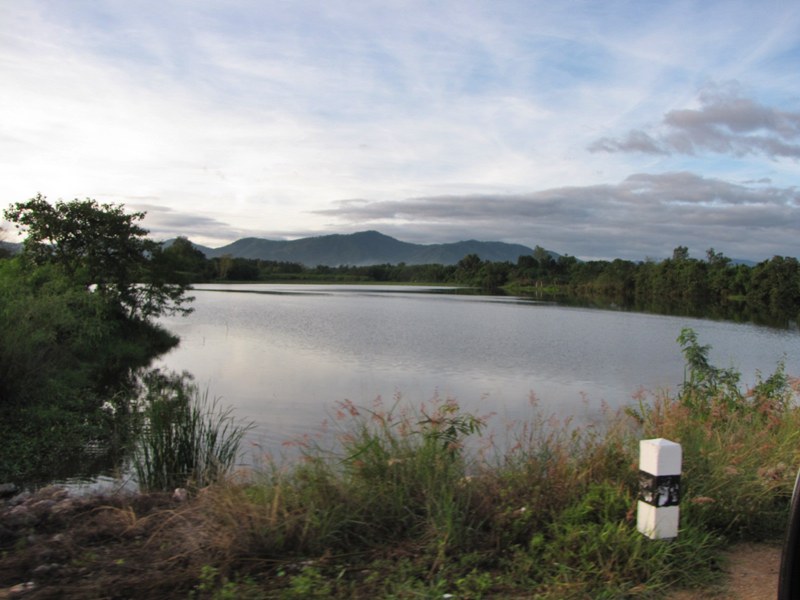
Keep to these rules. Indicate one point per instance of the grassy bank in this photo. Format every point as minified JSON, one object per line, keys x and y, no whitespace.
{"x":417,"y":503}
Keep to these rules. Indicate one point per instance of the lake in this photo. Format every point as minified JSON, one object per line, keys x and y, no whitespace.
{"x":283,"y":355}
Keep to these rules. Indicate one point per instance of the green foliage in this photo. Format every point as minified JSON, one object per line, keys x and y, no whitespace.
{"x":52,"y":336}
{"x":703,"y":381}
{"x":591,"y":550}
{"x":77,"y":307}
{"x":309,"y":583}
{"x":186,"y":440}
{"x":182,"y":263}
{"x":768,"y":293}
{"x":214,"y":586}
{"x":64,"y":354}
{"x":775,"y":284}
{"x":740,"y":446}
{"x":99,"y":245}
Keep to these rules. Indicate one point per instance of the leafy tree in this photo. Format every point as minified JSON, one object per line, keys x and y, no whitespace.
{"x":542,"y":256}
{"x":99,"y":246}
{"x":76,"y":308}
{"x":468,"y":268}
{"x":680,"y":253}
{"x":4,"y":251}
{"x":184,"y":262}
{"x":720,"y":275}
{"x":616,"y":278}
{"x":716,"y":258}
{"x":243,"y":269}
{"x":701,"y":378}
{"x":776,"y":284}
{"x":494,"y":275}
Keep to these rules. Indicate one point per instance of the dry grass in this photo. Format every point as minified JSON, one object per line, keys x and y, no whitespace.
{"x":406,"y":503}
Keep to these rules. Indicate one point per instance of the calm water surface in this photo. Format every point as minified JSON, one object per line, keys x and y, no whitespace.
{"x":283,"y":355}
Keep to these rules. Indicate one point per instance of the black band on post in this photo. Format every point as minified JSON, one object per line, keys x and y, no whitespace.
{"x":659,"y":490}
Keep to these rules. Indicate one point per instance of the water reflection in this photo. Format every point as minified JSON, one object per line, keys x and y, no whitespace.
{"x":282,"y":355}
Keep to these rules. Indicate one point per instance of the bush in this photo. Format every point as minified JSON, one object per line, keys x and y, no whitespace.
{"x":741,"y":447}
{"x":186,"y":439}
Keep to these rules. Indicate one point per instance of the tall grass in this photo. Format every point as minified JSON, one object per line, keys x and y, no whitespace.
{"x":403,"y":505}
{"x":186,"y":439}
{"x":401,"y":509}
{"x":741,"y":446}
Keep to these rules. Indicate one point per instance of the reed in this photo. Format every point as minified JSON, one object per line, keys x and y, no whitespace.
{"x":186,"y":438}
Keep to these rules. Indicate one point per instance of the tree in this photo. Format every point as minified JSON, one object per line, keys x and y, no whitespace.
{"x":716,"y":259}
{"x":680,"y":253}
{"x":101,"y":247}
{"x":775,"y":285}
{"x":184,"y":262}
{"x":547,"y":265}
{"x":467,"y":268}
{"x":542,"y":256}
{"x":720,"y":274}
{"x":494,"y":275}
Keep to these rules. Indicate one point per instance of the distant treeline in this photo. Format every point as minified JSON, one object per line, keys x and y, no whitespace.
{"x":713,"y":286}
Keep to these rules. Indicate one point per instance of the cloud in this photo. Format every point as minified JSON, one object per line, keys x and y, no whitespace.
{"x":725,"y":123}
{"x":249,"y":118}
{"x":633,"y":141}
{"x":165,"y":223}
{"x":643,"y":215}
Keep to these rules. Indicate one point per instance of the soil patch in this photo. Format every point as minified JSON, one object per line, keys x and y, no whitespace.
{"x":56,"y":546}
{"x":150,"y":546}
{"x":752,"y":574}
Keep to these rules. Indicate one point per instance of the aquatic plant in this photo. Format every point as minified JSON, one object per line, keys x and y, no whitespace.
{"x":186,"y":439}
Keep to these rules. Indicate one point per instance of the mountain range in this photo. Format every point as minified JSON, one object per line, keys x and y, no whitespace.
{"x":365,"y":248}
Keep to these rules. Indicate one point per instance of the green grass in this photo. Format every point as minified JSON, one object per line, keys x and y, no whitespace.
{"x":403,"y":503}
{"x":186,"y":440}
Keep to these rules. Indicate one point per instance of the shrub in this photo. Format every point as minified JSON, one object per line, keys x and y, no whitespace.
{"x":186,"y":439}
{"x":741,"y":447}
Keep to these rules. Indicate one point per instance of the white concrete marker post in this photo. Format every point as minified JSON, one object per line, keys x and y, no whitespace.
{"x":658,"y":513}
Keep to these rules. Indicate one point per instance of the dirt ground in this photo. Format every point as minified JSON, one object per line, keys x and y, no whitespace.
{"x":752,"y":574}
{"x":83,"y":548}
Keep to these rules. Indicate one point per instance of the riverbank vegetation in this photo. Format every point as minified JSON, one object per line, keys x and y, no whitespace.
{"x":183,"y":437}
{"x":420,"y":502}
{"x":78,"y":308}
{"x":767,"y":292}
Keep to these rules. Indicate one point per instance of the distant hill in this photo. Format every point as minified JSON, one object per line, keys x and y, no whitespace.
{"x":743,"y":261}
{"x":10,"y":248}
{"x":365,"y":248}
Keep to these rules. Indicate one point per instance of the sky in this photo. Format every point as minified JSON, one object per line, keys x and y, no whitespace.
{"x":599,"y":129}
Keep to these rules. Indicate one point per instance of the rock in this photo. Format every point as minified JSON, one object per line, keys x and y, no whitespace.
{"x":8,"y":489}
{"x":53,"y":492}
{"x":20,"y":589}
{"x":20,"y":516}
{"x":65,"y":506}
{"x":46,"y":570}
{"x":43,"y":506}
{"x":7,"y":536}
{"x":20,"y":498}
